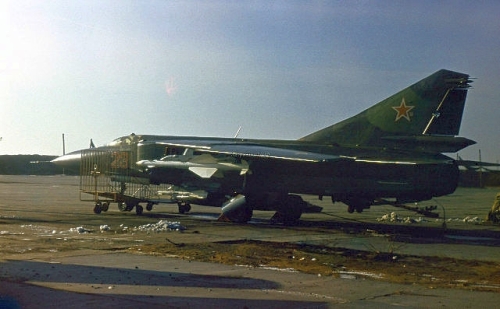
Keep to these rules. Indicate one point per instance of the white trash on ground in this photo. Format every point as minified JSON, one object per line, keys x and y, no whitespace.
{"x":160,"y":226}
{"x":394,"y":217}
{"x":79,"y":230}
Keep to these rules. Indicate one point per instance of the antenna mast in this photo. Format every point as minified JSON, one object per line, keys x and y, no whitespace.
{"x":64,"y":145}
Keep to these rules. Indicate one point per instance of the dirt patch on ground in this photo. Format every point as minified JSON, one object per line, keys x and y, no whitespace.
{"x":433,"y":272}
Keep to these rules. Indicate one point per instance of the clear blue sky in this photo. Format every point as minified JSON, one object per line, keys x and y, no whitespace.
{"x":280,"y":69}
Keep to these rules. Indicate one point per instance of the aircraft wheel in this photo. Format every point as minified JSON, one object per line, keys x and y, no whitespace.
{"x":97,"y":208}
{"x":237,"y":210}
{"x":139,"y":210}
{"x":292,"y":210}
{"x":149,"y":206}
{"x":238,"y":215}
{"x":356,"y":204}
{"x":122,"y":206}
{"x":245,"y":216}
{"x":105,"y":206}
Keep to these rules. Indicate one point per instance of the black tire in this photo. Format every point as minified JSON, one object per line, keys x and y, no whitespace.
{"x":244,"y":216}
{"x":295,"y":205}
{"x":105,"y":206}
{"x":122,"y":206}
{"x":129,"y":206}
{"x":184,"y":208}
{"x":97,"y":208}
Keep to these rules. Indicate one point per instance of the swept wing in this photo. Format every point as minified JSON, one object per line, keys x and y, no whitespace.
{"x":254,"y":151}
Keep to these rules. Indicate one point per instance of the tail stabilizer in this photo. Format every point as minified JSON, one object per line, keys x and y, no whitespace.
{"x":431,"y":107}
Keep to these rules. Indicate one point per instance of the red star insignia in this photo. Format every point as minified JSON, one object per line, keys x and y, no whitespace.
{"x":403,"y":110}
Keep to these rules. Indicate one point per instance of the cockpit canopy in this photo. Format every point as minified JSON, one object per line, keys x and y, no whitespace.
{"x":125,"y":140}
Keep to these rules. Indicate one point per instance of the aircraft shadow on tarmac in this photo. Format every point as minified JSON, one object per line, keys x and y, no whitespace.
{"x":79,"y":274}
{"x":400,"y":233}
{"x":397,"y":232}
{"x":40,"y":274}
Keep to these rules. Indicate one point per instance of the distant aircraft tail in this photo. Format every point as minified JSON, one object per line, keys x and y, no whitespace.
{"x":427,"y":116}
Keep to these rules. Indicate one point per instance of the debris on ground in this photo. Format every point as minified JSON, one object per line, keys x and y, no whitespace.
{"x":337,"y":261}
{"x":394,"y":217}
{"x":160,"y":226}
{"x":80,"y":230}
{"x":467,"y":219}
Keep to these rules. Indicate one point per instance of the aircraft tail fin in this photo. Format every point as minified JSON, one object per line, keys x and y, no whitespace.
{"x":415,"y":116}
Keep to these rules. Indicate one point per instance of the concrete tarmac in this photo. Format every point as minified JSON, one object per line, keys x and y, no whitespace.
{"x":53,"y":253}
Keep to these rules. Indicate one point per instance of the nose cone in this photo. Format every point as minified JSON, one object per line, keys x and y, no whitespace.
{"x":69,"y":161}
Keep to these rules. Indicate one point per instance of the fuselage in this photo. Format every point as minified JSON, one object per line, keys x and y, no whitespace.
{"x":370,"y":173}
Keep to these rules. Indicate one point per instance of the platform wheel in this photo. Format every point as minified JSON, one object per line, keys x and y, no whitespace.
{"x":98,"y":208}
{"x":122,"y":206}
{"x":105,"y":206}
{"x":130,"y":206}
{"x":184,"y":207}
{"x":149,"y":206}
{"x":139,"y":210}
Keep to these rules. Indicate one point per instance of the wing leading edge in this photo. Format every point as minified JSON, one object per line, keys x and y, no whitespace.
{"x":255,"y":151}
{"x":261,"y":151}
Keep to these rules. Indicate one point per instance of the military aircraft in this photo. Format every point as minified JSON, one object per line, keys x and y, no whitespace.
{"x":391,"y":153}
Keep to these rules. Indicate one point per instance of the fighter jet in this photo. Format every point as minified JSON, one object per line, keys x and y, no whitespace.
{"x":390,"y":153}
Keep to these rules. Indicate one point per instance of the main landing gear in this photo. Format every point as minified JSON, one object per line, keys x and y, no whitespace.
{"x":356,"y":204}
{"x":288,"y":208}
